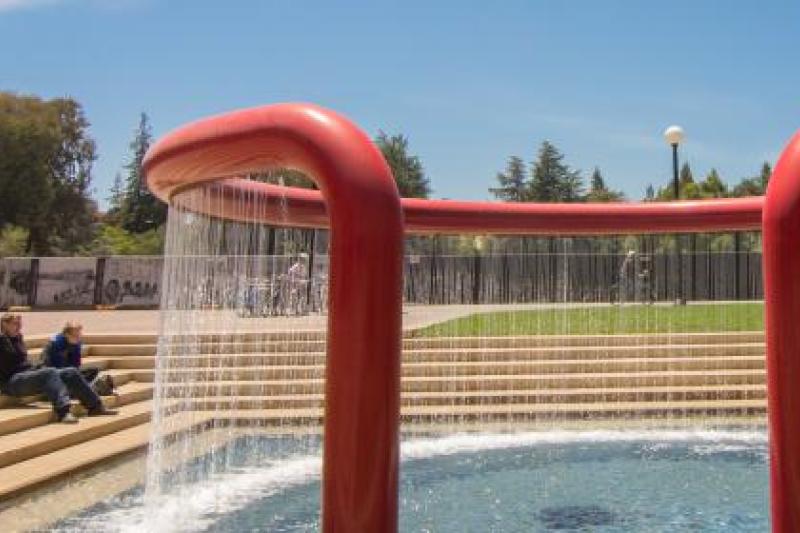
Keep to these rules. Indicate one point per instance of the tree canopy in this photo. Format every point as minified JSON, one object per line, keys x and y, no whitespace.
{"x":512,"y":183}
{"x":547,"y":179}
{"x":134,"y":206}
{"x":46,"y":157}
{"x":713,"y":185}
{"x":599,"y":192}
{"x":406,"y":168}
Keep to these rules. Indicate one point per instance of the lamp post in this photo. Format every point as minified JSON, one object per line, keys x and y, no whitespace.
{"x":674,"y":136}
{"x":478,"y":245}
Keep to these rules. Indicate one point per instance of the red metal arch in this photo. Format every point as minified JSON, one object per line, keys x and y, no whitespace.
{"x":781,"y":233}
{"x":358,"y":201}
{"x":362,"y":390}
{"x":295,"y":207}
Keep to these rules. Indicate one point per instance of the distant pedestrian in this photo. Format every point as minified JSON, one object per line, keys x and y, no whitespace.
{"x":627,"y":277}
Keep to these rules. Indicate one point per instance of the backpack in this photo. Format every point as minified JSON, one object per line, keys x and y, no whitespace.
{"x":103,"y":385}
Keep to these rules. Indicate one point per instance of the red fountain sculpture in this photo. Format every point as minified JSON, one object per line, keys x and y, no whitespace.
{"x":359,"y":202}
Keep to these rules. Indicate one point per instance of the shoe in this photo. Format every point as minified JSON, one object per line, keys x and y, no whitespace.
{"x":68,"y":418}
{"x":102,"y":410}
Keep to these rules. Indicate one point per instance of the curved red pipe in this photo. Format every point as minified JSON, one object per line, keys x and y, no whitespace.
{"x":289,"y":206}
{"x":361,"y":203}
{"x":362,"y":386}
{"x":781,"y":233}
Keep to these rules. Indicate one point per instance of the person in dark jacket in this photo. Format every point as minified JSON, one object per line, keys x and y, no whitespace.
{"x":19,"y":378}
{"x":64,"y":351}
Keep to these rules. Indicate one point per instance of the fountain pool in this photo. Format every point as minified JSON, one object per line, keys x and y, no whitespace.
{"x":560,"y":480}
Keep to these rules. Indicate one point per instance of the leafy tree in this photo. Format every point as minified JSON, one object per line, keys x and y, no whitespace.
{"x":766,"y":174}
{"x":117,"y":199}
{"x":407,"y":169}
{"x":114,"y":240}
{"x":688,"y":188}
{"x":513,"y":186}
{"x":286,"y":177}
{"x":748,"y":187}
{"x":685,"y":176}
{"x":599,"y":192}
{"x":140,"y":210}
{"x":73,"y":210}
{"x":552,"y":179}
{"x":572,"y":187}
{"x":713,"y":186}
{"x":755,"y":186}
{"x":12,"y":241}
{"x":46,"y":158}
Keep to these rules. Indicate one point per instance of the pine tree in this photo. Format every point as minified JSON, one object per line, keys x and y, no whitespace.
{"x":140,"y":210}
{"x":598,"y":192}
{"x":572,"y":186}
{"x":687,"y":188}
{"x":116,"y":199}
{"x":553,"y":180}
{"x":755,"y":186}
{"x":766,"y":174}
{"x":407,"y":169}
{"x":685,"y":176}
{"x":650,"y":193}
{"x":597,"y":183}
{"x":513,"y":182}
{"x":713,"y":186}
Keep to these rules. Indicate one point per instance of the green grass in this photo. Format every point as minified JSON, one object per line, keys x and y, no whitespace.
{"x":605,"y":320}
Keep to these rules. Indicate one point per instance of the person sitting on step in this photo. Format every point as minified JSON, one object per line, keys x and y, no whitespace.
{"x":18,"y":377}
{"x":64,"y":351}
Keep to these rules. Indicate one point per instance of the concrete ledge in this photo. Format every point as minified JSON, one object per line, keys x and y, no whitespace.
{"x":33,"y":473}
{"x":254,"y":379}
{"x":42,"y":440}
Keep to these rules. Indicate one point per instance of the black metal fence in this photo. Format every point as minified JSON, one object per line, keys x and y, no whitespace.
{"x":74,"y":282}
{"x":564,"y":277}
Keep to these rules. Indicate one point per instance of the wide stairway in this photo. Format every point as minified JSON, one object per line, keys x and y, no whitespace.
{"x":279,"y":378}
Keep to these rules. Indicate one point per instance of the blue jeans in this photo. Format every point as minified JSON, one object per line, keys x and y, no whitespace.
{"x":55,"y":383}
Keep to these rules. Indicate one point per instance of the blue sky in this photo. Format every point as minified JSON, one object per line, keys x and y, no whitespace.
{"x":469,"y":82}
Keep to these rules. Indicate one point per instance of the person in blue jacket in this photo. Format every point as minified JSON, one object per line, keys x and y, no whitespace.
{"x":64,"y":351}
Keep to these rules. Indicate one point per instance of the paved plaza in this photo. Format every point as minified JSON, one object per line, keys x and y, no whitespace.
{"x":147,"y":321}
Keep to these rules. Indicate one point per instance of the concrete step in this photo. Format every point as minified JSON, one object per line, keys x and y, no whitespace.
{"x":24,"y":445}
{"x":508,"y":382}
{"x":197,"y":359}
{"x":39,"y":413}
{"x":224,"y":372}
{"x":97,"y":339}
{"x":583,"y":411}
{"x":582,"y":352}
{"x":236,"y":397}
{"x":110,"y":350}
{"x":124,"y":376}
{"x":211,"y":400}
{"x":583,"y":340}
{"x":125,"y":362}
{"x":252,"y":343}
{"x":452,"y":356}
{"x":13,"y":401}
{"x":509,"y":412}
{"x":21,"y":477}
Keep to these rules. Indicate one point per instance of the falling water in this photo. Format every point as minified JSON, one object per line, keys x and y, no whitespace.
{"x":241,"y":349}
{"x":556,"y":330}
{"x":532,"y":341}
